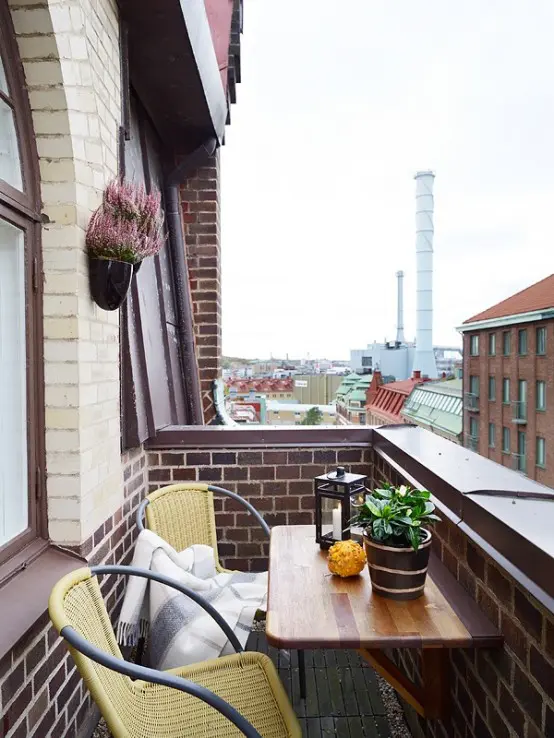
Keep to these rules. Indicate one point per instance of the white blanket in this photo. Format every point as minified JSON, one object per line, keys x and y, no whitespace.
{"x":180,"y":631}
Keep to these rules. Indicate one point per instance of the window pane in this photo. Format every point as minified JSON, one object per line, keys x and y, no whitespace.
{"x":506,"y":440}
{"x":10,"y":169}
{"x":506,"y":343}
{"x":13,"y":399}
{"x":492,"y":388}
{"x":541,"y":452}
{"x":492,"y":435}
{"x":541,"y":340}
{"x":492,"y":344}
{"x":3,"y":81}
{"x":522,"y":341}
{"x":505,"y":390}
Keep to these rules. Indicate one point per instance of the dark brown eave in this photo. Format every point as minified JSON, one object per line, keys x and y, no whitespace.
{"x":174,"y":70}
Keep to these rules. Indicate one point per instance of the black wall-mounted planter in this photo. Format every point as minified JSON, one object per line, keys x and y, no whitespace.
{"x":109,"y":282}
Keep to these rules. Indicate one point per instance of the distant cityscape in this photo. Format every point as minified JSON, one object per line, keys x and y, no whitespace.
{"x":491,"y":396}
{"x":494,"y":397}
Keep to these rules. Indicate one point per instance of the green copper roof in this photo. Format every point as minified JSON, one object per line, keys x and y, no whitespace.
{"x":357,"y":395}
{"x":437,"y":406}
{"x":347,"y":383}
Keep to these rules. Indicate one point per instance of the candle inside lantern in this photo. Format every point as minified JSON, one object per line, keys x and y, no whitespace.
{"x":337,"y":523}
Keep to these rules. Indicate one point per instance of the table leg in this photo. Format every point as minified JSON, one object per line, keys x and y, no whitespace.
{"x":302,"y":674}
{"x":436,"y":683}
{"x":431,"y":699}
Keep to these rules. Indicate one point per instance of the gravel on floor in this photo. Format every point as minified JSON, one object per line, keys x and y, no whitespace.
{"x":395,"y":713}
{"x":101,"y":731}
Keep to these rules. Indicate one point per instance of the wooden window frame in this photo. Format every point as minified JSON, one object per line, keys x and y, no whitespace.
{"x":22,"y":210}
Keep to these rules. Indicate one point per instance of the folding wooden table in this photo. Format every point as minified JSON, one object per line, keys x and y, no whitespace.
{"x":310,"y":608}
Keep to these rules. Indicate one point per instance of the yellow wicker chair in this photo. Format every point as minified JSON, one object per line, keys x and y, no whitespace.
{"x":226,"y":697}
{"x":183,"y":514}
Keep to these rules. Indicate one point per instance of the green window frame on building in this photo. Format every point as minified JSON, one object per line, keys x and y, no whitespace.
{"x":506,"y":440}
{"x":541,"y":341}
{"x":506,"y":343}
{"x":541,"y":395}
{"x":522,"y":342}
{"x":540,"y":457}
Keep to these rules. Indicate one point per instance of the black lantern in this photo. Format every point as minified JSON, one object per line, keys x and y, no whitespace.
{"x":335,"y":494}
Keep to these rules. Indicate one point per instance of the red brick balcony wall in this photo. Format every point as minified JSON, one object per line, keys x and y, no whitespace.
{"x":507,"y":693}
{"x":277,"y":481}
{"x":41,"y":693}
{"x":200,"y":203}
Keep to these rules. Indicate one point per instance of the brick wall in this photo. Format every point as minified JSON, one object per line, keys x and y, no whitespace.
{"x":277,"y":481}
{"x":506,"y":693}
{"x":200,"y":198}
{"x":70,"y":55}
{"x":41,"y":693}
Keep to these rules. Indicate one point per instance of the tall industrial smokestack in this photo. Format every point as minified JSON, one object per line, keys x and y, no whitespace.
{"x":424,"y":359}
{"x":400,"y":310}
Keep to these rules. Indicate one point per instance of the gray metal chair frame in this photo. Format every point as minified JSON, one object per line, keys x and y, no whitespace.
{"x":227,"y":493}
{"x":154,"y":675}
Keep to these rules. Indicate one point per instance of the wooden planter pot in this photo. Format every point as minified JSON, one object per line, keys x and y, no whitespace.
{"x":398,"y":573}
{"x":109,"y":282}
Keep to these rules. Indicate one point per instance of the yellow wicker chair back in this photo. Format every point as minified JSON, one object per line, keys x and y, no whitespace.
{"x":183,"y":514}
{"x":139,"y":709}
{"x":76,"y":600}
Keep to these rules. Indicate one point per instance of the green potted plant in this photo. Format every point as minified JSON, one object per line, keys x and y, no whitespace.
{"x":396,"y":539}
{"x":124,"y":230}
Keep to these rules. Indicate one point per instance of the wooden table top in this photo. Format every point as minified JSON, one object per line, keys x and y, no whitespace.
{"x":310,"y":608}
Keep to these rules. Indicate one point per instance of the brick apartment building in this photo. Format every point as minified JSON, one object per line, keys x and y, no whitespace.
{"x":509,"y":382}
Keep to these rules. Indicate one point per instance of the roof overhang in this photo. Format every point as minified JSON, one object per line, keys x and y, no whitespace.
{"x":174,"y":70}
{"x":532,"y":317}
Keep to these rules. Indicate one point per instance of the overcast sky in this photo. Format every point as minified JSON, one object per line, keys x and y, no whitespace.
{"x":340,"y":104}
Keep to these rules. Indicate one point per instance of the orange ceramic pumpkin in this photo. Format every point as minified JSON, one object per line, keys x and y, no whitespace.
{"x":346,"y":558}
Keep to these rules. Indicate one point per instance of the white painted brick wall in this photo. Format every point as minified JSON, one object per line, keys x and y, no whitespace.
{"x":70,"y":55}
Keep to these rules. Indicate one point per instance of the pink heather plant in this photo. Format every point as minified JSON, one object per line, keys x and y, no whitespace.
{"x":128,"y":225}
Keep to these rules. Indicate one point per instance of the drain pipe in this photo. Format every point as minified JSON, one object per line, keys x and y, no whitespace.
{"x":183,"y":297}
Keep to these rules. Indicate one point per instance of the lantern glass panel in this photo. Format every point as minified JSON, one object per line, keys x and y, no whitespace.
{"x":331,"y":517}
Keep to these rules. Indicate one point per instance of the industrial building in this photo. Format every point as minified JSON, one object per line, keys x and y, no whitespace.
{"x":400,"y":358}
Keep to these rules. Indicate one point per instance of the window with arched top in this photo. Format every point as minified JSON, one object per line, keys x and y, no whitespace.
{"x":21,"y":402}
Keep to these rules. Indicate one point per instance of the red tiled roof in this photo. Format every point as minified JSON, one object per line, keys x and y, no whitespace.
{"x":390,"y":398}
{"x":539,"y":296}
{"x":260,"y":385}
